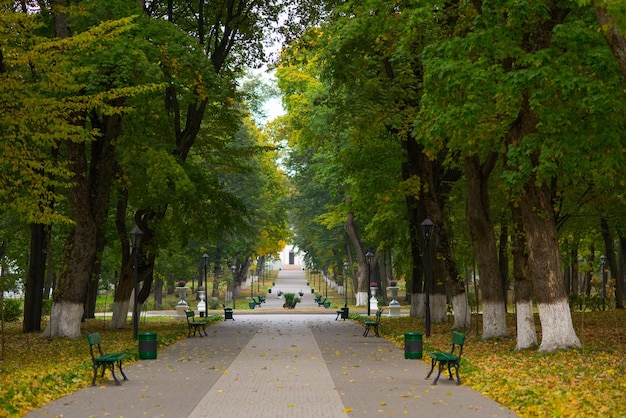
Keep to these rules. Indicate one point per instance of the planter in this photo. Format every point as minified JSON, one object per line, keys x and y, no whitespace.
{"x":182,"y":294}
{"x":393,"y":290}
{"x":373,"y":291}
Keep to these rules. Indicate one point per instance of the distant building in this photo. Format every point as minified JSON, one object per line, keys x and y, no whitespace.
{"x":290,"y":259}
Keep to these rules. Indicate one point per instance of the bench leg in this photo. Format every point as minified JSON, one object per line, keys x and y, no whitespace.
{"x":441,"y":366}
{"x":95,"y":373}
{"x":367,"y":330}
{"x":376,"y":330}
{"x":203,"y":329}
{"x":433,"y":362}
{"x":112,"y":367}
{"x":456,"y":368}
{"x":119,"y":366}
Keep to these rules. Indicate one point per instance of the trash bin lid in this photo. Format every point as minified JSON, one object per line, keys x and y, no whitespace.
{"x":147,"y":333}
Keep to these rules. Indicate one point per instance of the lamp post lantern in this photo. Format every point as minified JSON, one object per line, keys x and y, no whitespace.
{"x":135,"y":237}
{"x":427,"y":230}
{"x":603,"y":259}
{"x":205,"y":262}
{"x":368,"y":259}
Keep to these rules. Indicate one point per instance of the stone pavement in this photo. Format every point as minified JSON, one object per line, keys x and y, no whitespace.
{"x":277,"y":365}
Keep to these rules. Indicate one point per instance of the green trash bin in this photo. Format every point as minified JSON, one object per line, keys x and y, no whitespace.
{"x":251,"y":305}
{"x":413,"y":345}
{"x":147,"y":345}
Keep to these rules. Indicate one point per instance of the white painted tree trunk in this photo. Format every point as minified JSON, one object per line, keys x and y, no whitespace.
{"x":526,"y":333}
{"x":65,"y":320}
{"x":438,"y":308}
{"x":494,"y":320}
{"x":557,"y":329}
{"x":462,"y":311}
{"x":362,"y":298}
{"x":120,"y":314}
{"x":418,"y":308}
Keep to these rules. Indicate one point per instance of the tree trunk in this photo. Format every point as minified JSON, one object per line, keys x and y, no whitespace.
{"x":477,"y":212}
{"x":609,"y":248}
{"x":526,"y":332}
{"x":615,"y":39}
{"x":544,"y":265}
{"x":362,"y":286}
{"x":33,"y":295}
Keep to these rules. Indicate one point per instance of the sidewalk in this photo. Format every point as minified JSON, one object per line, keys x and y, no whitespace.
{"x":277,"y":366}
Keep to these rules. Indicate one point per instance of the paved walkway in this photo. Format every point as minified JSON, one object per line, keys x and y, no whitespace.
{"x":281,"y":365}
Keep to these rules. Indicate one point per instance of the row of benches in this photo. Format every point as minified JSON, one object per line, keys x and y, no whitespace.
{"x":452,"y":359}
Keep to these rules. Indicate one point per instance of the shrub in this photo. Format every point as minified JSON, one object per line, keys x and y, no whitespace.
{"x":12,"y":310}
{"x":291,"y":300}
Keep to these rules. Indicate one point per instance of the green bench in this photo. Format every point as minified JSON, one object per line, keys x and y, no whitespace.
{"x":373,"y":325}
{"x":322,"y":301}
{"x":103,"y":361}
{"x":196,"y":326}
{"x":450,"y":359}
{"x":343,"y":312}
{"x":257,"y":301}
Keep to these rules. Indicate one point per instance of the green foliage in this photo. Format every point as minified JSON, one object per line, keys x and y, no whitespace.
{"x":12,"y":310}
{"x":291,"y":300}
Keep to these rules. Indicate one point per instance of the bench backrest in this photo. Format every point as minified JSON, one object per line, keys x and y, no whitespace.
{"x":378,"y":315}
{"x":94,"y":340}
{"x":190,"y":315}
{"x":458,"y":339}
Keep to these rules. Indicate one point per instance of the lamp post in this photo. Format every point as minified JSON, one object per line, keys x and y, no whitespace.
{"x":581,"y":280}
{"x":345,"y":281}
{"x":603,"y":259}
{"x":368,"y":259}
{"x":427,"y":230}
{"x":135,"y":238}
{"x":251,"y":281}
{"x":234,"y":268}
{"x":205,"y":262}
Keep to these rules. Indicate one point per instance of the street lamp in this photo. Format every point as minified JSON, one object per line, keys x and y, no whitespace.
{"x":368,"y":258}
{"x":135,"y":239}
{"x":234,"y":268}
{"x":427,"y":230}
{"x":581,"y":280}
{"x":603,"y":259}
{"x":205,"y":262}
{"x":345,"y":281}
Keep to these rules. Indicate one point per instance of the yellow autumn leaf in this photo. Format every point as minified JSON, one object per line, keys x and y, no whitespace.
{"x":347,"y":410}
